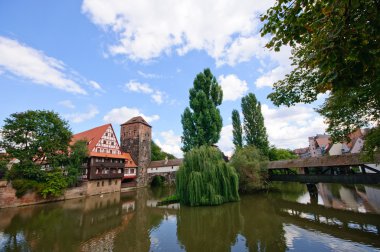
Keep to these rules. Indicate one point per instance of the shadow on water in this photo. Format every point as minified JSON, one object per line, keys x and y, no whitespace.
{"x":132,"y":221}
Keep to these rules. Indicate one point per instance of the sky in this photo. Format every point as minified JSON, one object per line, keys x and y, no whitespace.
{"x":106,"y":61}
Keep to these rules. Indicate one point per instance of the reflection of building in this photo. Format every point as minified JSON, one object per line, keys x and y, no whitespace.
{"x":104,"y":169}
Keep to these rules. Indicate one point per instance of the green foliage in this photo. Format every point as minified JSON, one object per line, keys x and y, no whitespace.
{"x":372,"y":144}
{"x":36,"y":136}
{"x":54,"y":185}
{"x":22,"y":186}
{"x":237,"y":131}
{"x":27,"y":170}
{"x":335,"y":48}
{"x":202,"y":122}
{"x":254,"y":129}
{"x":280,"y":154}
{"x":251,"y":166}
{"x":158,"y":154}
{"x":3,"y":167}
{"x":205,"y":179}
{"x":78,"y":156}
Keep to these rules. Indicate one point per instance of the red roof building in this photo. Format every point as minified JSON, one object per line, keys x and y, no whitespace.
{"x":106,"y":160}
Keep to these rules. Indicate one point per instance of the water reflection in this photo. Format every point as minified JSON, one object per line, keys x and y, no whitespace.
{"x":288,"y":219}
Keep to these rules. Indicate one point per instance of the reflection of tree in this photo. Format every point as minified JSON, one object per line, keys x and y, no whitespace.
{"x":262,"y":227}
{"x":288,"y":191}
{"x":208,"y":228}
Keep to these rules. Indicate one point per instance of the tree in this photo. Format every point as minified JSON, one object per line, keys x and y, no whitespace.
{"x":205,"y":179}
{"x":280,"y":154}
{"x":202,"y":122}
{"x":250,"y":164}
{"x":36,"y":136}
{"x":237,"y":131}
{"x":336,"y":49}
{"x":78,"y":156}
{"x":254,"y":129}
{"x":158,"y":154}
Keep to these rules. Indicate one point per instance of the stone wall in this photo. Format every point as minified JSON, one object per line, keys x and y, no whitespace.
{"x":103,"y":186}
{"x":8,"y":194}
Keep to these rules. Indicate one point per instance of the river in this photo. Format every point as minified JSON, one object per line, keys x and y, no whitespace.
{"x":336,"y":218}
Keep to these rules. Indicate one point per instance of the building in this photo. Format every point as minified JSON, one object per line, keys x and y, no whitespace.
{"x":302,"y":152}
{"x":104,"y":169}
{"x":355,"y":144}
{"x":135,"y":138}
{"x":318,"y":145}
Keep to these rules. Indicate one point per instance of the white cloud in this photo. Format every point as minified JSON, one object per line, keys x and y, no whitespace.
{"x":225,"y":142}
{"x":291,"y":127}
{"x":269,"y":78}
{"x":81,"y":117}
{"x":158,"y":97}
{"x":67,"y":104}
{"x":135,"y":86}
{"x":34,"y":65}
{"x":123,"y":114}
{"x":96,"y":85}
{"x":171,"y":143}
{"x":138,"y":87}
{"x":149,"y":75}
{"x":233,"y":87}
{"x":212,"y":26}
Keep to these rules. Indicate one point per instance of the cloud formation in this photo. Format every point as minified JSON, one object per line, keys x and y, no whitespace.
{"x":233,"y":87}
{"x":135,"y":86}
{"x":82,"y":117}
{"x":67,"y":103}
{"x":31,"y":64}
{"x":189,"y":25}
{"x":171,"y":143}
{"x":123,"y":114}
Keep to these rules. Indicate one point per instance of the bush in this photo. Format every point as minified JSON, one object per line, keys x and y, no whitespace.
{"x":251,"y":166}
{"x":3,"y":168}
{"x":22,"y":186}
{"x":205,"y":178}
{"x":54,"y":185}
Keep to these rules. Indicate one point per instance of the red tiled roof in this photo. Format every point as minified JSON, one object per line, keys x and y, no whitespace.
{"x":137,"y":119}
{"x":129,"y":163}
{"x":92,"y":136}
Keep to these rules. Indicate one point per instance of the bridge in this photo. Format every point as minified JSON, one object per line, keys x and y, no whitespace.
{"x":344,"y":169}
{"x":164,"y":168}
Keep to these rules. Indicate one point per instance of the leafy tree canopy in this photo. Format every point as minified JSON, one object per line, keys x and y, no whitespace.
{"x":250,"y":164}
{"x":158,"y":154}
{"x":202,"y":122}
{"x":237,"y":132}
{"x":280,"y":154}
{"x":36,"y":136}
{"x":336,"y":48}
{"x":254,"y":128}
{"x":205,"y":178}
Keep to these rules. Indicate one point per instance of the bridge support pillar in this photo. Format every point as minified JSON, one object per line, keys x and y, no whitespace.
{"x":313,"y":192}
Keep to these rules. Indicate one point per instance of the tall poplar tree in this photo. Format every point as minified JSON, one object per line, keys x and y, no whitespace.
{"x":237,"y":131}
{"x":254,"y":129}
{"x":202,"y":122}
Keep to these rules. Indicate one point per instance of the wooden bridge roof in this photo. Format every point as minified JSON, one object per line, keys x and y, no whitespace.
{"x":164,"y":163}
{"x":325,"y":161}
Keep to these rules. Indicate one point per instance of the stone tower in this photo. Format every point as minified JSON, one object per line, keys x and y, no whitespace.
{"x":135,"y":138}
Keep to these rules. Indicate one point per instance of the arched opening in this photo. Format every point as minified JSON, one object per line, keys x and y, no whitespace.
{"x":158,"y":181}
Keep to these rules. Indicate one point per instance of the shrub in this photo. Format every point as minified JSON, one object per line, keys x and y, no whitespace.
{"x":251,"y":166}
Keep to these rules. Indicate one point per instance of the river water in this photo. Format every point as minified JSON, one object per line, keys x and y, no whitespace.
{"x":337,"y":218}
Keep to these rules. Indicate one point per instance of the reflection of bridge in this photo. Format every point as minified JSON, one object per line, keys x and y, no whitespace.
{"x":345,"y":169}
{"x":357,"y":227}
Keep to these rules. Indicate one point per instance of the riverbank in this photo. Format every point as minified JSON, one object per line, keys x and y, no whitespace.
{"x":8,"y":198}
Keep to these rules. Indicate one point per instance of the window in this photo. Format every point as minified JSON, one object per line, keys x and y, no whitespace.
{"x":104,"y":141}
{"x":112,"y":143}
{"x":103,"y":183}
{"x":109,"y":182}
{"x":132,"y":170}
{"x":119,"y":171}
{"x":110,"y":151}
{"x":106,"y":134}
{"x":97,"y":184}
{"x":115,"y":184}
{"x":97,"y":171}
{"x":111,"y":135}
{"x":98,"y":150}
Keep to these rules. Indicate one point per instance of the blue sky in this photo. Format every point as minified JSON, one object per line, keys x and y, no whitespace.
{"x":104,"y":61}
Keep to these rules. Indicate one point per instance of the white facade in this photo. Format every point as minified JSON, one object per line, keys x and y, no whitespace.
{"x":338,"y":149}
{"x":108,"y":143}
{"x":163,"y":169}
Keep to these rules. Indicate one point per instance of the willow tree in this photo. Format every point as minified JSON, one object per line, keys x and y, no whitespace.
{"x":254,"y":128}
{"x":205,"y":179}
{"x":202,"y":122}
{"x":237,"y":131}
